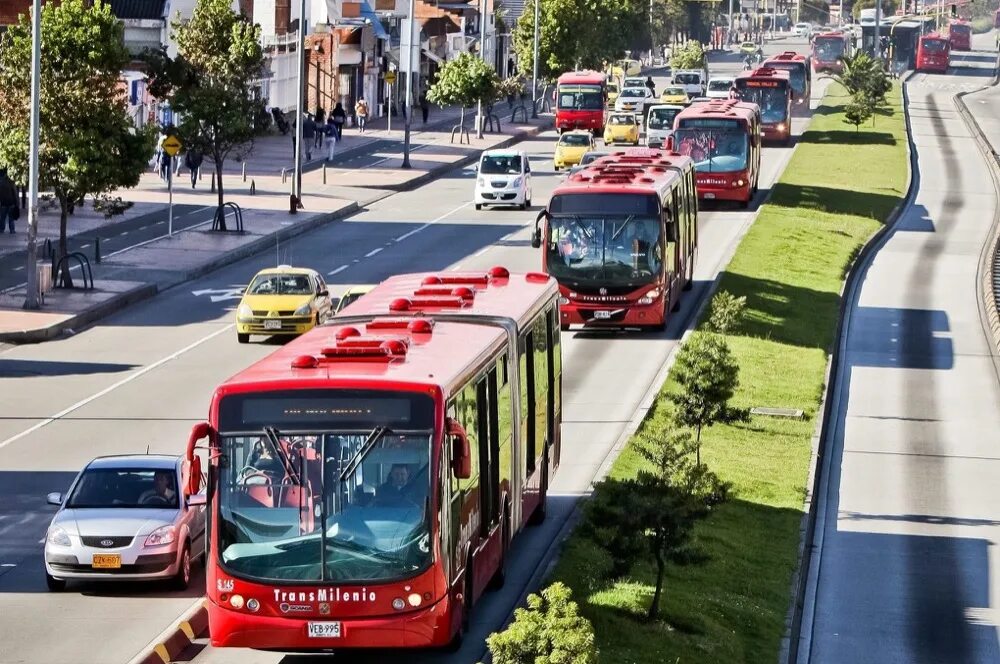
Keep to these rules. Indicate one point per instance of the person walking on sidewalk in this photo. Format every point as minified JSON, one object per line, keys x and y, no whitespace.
{"x":339,"y":116}
{"x":361,"y":111}
{"x":425,"y":106}
{"x":320,"y":128}
{"x":193,"y":159}
{"x":9,"y":211}
{"x":308,"y":135}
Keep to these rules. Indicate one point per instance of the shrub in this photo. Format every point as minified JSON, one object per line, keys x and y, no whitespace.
{"x":727,"y":311}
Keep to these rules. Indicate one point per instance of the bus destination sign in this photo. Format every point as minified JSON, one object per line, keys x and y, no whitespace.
{"x":760,"y":83}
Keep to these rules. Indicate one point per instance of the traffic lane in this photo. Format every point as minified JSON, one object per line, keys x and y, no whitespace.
{"x":906,"y":565}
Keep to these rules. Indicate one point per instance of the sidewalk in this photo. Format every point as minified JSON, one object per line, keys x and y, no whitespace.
{"x":139,"y":272}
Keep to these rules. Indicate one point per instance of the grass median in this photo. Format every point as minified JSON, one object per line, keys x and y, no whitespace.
{"x":837,"y":190}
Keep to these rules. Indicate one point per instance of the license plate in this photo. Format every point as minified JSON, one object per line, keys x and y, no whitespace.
{"x":107,"y":561}
{"x":602,"y":315}
{"x":709,"y":195}
{"x":324,"y":630}
{"x":272,"y":324}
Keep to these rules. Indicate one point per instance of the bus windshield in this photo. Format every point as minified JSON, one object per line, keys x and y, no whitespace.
{"x":960,"y":30}
{"x":342,"y":504}
{"x":797,"y":73}
{"x":713,"y":150}
{"x":581,"y":97}
{"x":615,"y":250}
{"x":935,"y":45}
{"x":773,"y":101}
{"x":829,"y":50}
{"x":662,"y":118}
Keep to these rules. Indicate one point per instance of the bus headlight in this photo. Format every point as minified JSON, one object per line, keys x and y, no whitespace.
{"x":244,"y":313}
{"x":236,"y":601}
{"x":563,"y":300}
{"x":781,"y":127}
{"x":414,"y":599}
{"x":253,"y":605}
{"x":740,"y":183}
{"x":649,"y":297}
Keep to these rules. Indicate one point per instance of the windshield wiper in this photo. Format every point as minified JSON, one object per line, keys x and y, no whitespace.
{"x":376,"y":435}
{"x":621,"y":229}
{"x":272,"y":435}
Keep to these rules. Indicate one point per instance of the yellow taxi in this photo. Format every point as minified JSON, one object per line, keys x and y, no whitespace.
{"x":612,"y":94}
{"x":283,"y":300}
{"x":571,"y":147}
{"x":674,"y":94}
{"x":352,"y":294}
{"x":622,"y":128}
{"x":749,"y":48}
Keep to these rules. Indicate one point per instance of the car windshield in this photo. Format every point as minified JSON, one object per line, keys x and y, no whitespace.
{"x":591,"y":157}
{"x":634,"y":83}
{"x":749,"y":46}
{"x":687,"y":79}
{"x":634,"y":92}
{"x":773,"y":102}
{"x":829,"y":50}
{"x":581,"y":97}
{"x":713,"y":151}
{"x":662,"y":118}
{"x":280,"y":284}
{"x":720,"y":85}
{"x":575,"y":140}
{"x":612,"y":249}
{"x":675,"y":92}
{"x":500,"y":165}
{"x":935,"y":45}
{"x":343,"y":503}
{"x":100,"y":488}
{"x":622,"y":120}
{"x":347,"y":298}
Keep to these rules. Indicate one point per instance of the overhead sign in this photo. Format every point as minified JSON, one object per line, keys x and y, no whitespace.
{"x":390,"y":77}
{"x":171,"y":145}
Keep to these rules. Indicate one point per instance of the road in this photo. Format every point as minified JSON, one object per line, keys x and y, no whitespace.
{"x":907,"y":572}
{"x":141,"y":378}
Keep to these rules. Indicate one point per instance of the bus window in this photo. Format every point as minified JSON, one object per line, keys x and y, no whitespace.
{"x":468,"y":416}
{"x":541,"y":386}
{"x":671,"y":215}
{"x":527,"y":403}
{"x":555,"y":382}
{"x":504,"y":424}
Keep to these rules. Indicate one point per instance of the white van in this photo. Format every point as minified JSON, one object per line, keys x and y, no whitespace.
{"x":503,"y":177}
{"x":692,"y":80}
{"x":660,"y":124}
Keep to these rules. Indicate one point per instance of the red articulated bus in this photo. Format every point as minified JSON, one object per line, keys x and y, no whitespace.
{"x":799,"y":71}
{"x":366,"y":480}
{"x":960,"y":35}
{"x":581,"y":98}
{"x":723,"y":137}
{"x":933,"y":51}
{"x":829,"y":50}
{"x":771,"y":90}
{"x":620,"y":238}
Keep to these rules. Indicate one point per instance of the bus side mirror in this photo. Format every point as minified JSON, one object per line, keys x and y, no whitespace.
{"x":536,"y":237}
{"x":461,"y":455}
{"x":198,"y":431}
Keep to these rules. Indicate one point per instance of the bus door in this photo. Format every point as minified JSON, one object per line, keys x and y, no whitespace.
{"x":672,"y":210}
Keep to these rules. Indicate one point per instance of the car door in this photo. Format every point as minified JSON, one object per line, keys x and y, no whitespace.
{"x":324,"y":305}
{"x":194,"y":517}
{"x":526,"y":173}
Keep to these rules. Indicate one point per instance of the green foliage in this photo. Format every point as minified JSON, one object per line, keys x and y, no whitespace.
{"x":815,"y":12}
{"x":669,"y":17}
{"x":858,"y":111}
{"x":464,"y":81}
{"x":111,"y":206}
{"x":510,"y":87}
{"x":707,"y":376}
{"x":888,"y":7}
{"x":726,"y":312}
{"x":209,"y":83}
{"x":550,"y":631}
{"x":89,"y":144}
{"x":690,"y":56}
{"x":653,"y":515}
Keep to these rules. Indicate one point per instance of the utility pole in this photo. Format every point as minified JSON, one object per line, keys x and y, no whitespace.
{"x":534,"y":65}
{"x":729,"y":30}
{"x":878,"y":31}
{"x":480,"y":120}
{"x":409,"y":83}
{"x":300,"y":107}
{"x":31,"y":299}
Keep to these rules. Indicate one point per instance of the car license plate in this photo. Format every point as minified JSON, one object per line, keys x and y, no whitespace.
{"x":272,"y":324}
{"x":709,"y":195}
{"x":107,"y":561}
{"x":324,"y":630}
{"x":602,"y":315}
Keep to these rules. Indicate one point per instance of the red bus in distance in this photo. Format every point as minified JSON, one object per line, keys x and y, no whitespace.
{"x":799,"y":71}
{"x":723,"y":138}
{"x":829,"y":50}
{"x":933,"y":52}
{"x":620,"y":238}
{"x":581,"y":98}
{"x":366,"y":480}
{"x":771,"y":90}
{"x":960,"y":35}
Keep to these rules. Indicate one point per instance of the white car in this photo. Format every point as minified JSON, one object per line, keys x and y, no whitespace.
{"x":503,"y":177}
{"x":692,"y":80}
{"x":803,"y":29}
{"x":660,"y":124}
{"x":631,"y":100}
{"x":719,"y":87}
{"x":126,"y":518}
{"x":634,"y":82}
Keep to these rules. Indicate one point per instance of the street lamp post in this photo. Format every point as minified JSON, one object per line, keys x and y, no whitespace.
{"x":480,"y":120}
{"x":878,"y":31}
{"x":31,"y":299}
{"x":409,"y":85}
{"x":534,"y":67}
{"x":300,"y":102}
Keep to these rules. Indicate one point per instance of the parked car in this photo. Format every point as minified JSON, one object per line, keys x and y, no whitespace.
{"x":503,"y":178}
{"x":283,"y":300}
{"x":126,"y":518}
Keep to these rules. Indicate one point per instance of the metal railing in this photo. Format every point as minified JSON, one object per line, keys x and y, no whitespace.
{"x":219,"y":221}
{"x":61,"y":271}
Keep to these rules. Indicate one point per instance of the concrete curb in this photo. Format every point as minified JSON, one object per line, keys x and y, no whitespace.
{"x":169,"y":645}
{"x":795,"y":645}
{"x":118,"y":303}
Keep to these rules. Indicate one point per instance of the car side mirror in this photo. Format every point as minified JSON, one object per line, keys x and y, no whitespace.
{"x":323,"y":293}
{"x":54,"y":498}
{"x":461,"y":453}
{"x":475,"y":167}
{"x":197,"y":500}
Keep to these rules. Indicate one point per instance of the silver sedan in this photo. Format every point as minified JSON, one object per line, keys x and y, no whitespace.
{"x":126,"y":518}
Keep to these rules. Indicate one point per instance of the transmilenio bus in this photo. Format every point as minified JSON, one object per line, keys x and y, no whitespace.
{"x":620,"y":238}
{"x":933,"y":53}
{"x":829,"y":50}
{"x":366,"y":480}
{"x":799,"y":71}
{"x":771,"y":90}
{"x":581,"y":98}
{"x":960,"y":35}
{"x":723,"y":137}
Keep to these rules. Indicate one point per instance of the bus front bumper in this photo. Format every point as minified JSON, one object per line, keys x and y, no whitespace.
{"x":425,"y":628}
{"x":724,"y":188}
{"x":611,"y":315}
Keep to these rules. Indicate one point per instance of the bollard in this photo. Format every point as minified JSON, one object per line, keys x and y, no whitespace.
{"x":244,"y":171}
{"x":97,"y":250}
{"x":324,"y":173}
{"x":284,"y":176}
{"x":253,"y":188}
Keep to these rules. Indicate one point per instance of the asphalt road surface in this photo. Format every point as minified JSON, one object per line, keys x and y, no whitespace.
{"x":141,"y":378}
{"x":911,"y":514}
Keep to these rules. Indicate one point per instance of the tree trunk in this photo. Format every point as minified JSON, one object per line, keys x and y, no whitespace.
{"x":218,"y":180}
{"x":697,"y":445}
{"x":66,"y":277}
{"x":654,"y":607}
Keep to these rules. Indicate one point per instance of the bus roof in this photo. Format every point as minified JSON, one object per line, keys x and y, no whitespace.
{"x":787,"y":56}
{"x":631,"y":171}
{"x":720,"y":108}
{"x":933,"y":36}
{"x":764,"y":72}
{"x":586,"y":76}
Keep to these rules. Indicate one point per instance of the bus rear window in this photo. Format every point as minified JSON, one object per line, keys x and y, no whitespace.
{"x":935,"y":45}
{"x":596,"y":204}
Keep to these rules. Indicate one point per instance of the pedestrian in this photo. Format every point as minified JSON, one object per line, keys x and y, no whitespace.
{"x":164,"y":165}
{"x":9,"y":212}
{"x":331,"y":146}
{"x":339,"y":116}
{"x":193,"y":159}
{"x":361,"y":112}
{"x":425,"y":106}
{"x":320,"y":127}
{"x":651,"y":85}
{"x":510,"y":67}
{"x":308,"y":135}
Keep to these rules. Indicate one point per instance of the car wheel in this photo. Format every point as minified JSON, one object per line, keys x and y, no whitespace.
{"x":527,"y":201}
{"x":242,"y":338}
{"x":182,"y":579}
{"x":479,"y":206}
{"x":54,"y":584}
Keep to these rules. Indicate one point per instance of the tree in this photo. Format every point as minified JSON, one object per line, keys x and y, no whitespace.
{"x":888,"y":7}
{"x":466,"y":81}
{"x":669,"y":17}
{"x":726,"y":312}
{"x":209,"y":83}
{"x":858,"y":110}
{"x":89,"y":145}
{"x":691,"y":56}
{"x":550,"y":631}
{"x":867,"y":83}
{"x":707,"y":376}
{"x":655,"y":513}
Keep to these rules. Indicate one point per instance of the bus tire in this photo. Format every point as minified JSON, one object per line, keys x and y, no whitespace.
{"x":499,"y":577}
{"x":456,"y":641}
{"x":677,"y":306}
{"x":538,"y":516}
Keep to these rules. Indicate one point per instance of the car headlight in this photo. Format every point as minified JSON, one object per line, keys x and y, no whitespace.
{"x":516,"y":182}
{"x":244,"y":312}
{"x":58,"y":537}
{"x":160,"y":536}
{"x":304,"y":310}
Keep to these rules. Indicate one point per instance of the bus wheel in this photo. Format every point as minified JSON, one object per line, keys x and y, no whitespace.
{"x":500,"y":576}
{"x":677,"y":305}
{"x":456,"y":641}
{"x":538,"y":516}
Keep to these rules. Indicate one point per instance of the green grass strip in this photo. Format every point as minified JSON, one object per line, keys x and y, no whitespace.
{"x":839,"y":187}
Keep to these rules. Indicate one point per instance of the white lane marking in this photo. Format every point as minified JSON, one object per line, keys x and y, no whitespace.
{"x":19,"y":267}
{"x":221,"y":294}
{"x":433,"y":221}
{"x":373,"y":252}
{"x":123,"y":234}
{"x":8,"y":564}
{"x":483,"y":250}
{"x":111,"y":388}
{"x":338,"y":270}
{"x":84,"y":246}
